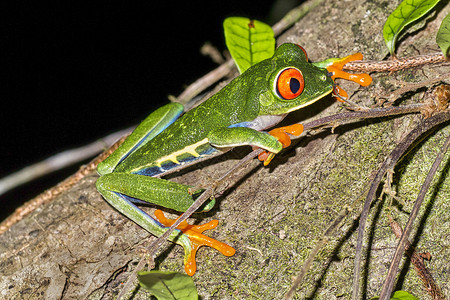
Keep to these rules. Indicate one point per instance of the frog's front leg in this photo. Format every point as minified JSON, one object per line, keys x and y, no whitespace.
{"x":115,"y":189}
{"x":281,"y":133}
{"x":272,"y":142}
{"x":239,"y":136}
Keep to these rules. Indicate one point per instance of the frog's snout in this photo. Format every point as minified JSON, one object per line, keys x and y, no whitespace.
{"x":329,"y":74}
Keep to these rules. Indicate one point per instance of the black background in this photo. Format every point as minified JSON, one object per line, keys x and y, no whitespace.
{"x":76,"y":71}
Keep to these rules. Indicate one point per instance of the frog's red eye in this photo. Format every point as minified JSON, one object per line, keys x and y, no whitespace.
{"x":290,"y":83}
{"x":304,"y":51}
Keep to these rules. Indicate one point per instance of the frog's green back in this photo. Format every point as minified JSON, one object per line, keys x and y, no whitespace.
{"x":247,"y":97}
{"x":185,"y":139}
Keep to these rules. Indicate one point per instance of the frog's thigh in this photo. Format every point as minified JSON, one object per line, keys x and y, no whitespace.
{"x":238,"y":136}
{"x":153,"y":125}
{"x":152,"y":190}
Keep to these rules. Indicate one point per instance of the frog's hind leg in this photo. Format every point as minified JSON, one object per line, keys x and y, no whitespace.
{"x":152,"y":190}
{"x":153,"y":125}
{"x":155,"y":190}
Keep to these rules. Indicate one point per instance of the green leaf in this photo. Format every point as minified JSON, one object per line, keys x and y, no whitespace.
{"x":168,"y":285}
{"x":407,"y":12}
{"x":399,"y":295}
{"x":443,"y":36}
{"x":249,"y":41}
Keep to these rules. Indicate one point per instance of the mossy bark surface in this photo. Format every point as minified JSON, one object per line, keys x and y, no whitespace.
{"x":78,"y":247}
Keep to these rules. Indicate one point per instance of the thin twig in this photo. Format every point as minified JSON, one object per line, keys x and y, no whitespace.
{"x":205,"y":81}
{"x":51,"y":193}
{"x":414,"y":86}
{"x":389,"y":163}
{"x":214,"y":54}
{"x":396,"y":64}
{"x":390,"y":278}
{"x":58,"y":161}
{"x":417,"y":259}
{"x":294,"y":15}
{"x":348,"y":117}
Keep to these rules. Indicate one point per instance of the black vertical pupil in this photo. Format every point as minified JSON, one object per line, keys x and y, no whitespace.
{"x":294,"y":85}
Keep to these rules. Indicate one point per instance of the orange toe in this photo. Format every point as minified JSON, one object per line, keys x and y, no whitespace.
{"x":337,"y":66}
{"x":197,"y":239}
{"x":281,"y":133}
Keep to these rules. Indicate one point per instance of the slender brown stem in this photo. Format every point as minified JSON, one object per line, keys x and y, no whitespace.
{"x":394,"y":64}
{"x":417,"y":259}
{"x":414,"y":86}
{"x":390,"y":278}
{"x":389,"y":163}
{"x":51,"y":193}
{"x":348,"y":117}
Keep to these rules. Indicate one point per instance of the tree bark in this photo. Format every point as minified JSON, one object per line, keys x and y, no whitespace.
{"x":78,"y":247}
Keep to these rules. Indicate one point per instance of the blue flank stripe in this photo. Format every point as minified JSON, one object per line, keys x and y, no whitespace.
{"x":168,"y":165}
{"x":242,"y":124}
{"x":152,"y":171}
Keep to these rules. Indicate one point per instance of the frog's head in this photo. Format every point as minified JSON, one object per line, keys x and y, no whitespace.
{"x":293,"y":83}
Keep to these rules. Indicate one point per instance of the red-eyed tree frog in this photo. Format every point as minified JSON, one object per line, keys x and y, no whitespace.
{"x":237,"y":115}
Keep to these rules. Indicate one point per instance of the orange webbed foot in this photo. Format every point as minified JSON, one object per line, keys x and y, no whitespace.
{"x":197,"y":239}
{"x":336,"y":66}
{"x":281,"y":134}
